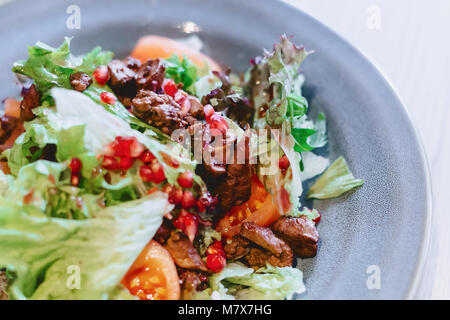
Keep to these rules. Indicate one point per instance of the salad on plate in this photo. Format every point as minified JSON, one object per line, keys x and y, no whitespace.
{"x":160,"y":176}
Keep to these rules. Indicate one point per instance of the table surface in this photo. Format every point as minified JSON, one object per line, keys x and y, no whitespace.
{"x":408,"y":41}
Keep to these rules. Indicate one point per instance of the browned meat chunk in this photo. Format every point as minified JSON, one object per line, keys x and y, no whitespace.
{"x":150,"y":75}
{"x":132,"y":63}
{"x":300,"y":233}
{"x":80,"y":81}
{"x":234,"y":187}
{"x":263,"y":237}
{"x":3,"y":285}
{"x":122,"y":78}
{"x":7,"y":125}
{"x":31,"y":100}
{"x":236,"y":248}
{"x":159,"y":110}
{"x":259,"y":258}
{"x":163,"y":232}
{"x":278,"y":253}
{"x":196,"y":108}
{"x":184,"y":253}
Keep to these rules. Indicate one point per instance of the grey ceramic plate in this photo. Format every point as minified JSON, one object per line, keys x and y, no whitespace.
{"x":384,"y":223}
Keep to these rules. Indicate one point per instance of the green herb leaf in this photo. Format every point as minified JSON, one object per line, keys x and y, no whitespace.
{"x":334,"y":182}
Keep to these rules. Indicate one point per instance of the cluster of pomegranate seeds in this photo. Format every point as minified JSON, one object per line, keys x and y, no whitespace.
{"x":215,"y":120}
{"x":101,"y":75}
{"x":75,"y":168}
{"x":216,"y":258}
{"x":283,"y":163}
{"x":121,"y":153}
{"x":107,"y":97}
{"x":153,"y":172}
{"x":188,"y":223}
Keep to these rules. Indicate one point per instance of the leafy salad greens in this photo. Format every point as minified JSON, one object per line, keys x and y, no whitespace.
{"x":59,"y":219}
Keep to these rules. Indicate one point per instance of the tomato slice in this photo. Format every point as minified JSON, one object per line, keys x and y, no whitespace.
{"x":153,"y":276}
{"x":259,"y":209}
{"x":152,"y":47}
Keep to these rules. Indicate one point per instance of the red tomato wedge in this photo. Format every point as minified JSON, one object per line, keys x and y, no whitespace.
{"x":152,"y":47}
{"x":259,"y":209}
{"x":153,"y":276}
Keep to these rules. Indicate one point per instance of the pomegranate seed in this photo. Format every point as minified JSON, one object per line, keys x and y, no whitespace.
{"x":216,"y":248}
{"x":169,"y":87}
{"x":146,"y":173}
{"x":186,"y":179}
{"x":200,"y":206}
{"x":158,"y":172}
{"x":147,"y":157}
{"x":101,"y":75}
{"x":74,"y":180}
{"x":208,"y":110}
{"x":205,"y":201}
{"x":107,"y":97}
{"x":218,"y":122}
{"x":187,"y":222}
{"x":176,"y":196}
{"x":136,"y":149}
{"x":216,"y":262}
{"x":110,"y":163}
{"x":283,"y":163}
{"x":75,"y":165}
{"x":188,"y":200}
{"x":203,"y":277}
{"x":317,"y":220}
{"x":125,"y":163}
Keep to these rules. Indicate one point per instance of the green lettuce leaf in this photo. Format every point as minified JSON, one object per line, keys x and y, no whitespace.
{"x":47,"y":66}
{"x":334,"y":182}
{"x":236,"y":281}
{"x":42,"y":252}
{"x":29,"y":146}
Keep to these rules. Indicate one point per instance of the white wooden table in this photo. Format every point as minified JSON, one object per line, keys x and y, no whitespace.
{"x":408,"y":40}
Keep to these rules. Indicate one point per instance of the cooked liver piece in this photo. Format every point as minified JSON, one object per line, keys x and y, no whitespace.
{"x":300,"y":233}
{"x":263,"y":237}
{"x":31,"y":99}
{"x":278,"y":253}
{"x":234,"y":188}
{"x":122,"y":78}
{"x":159,"y":110}
{"x":184,"y":253}
{"x":80,"y":81}
{"x":150,"y":75}
{"x":7,"y":125}
{"x":236,"y":247}
{"x":258,"y":258}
